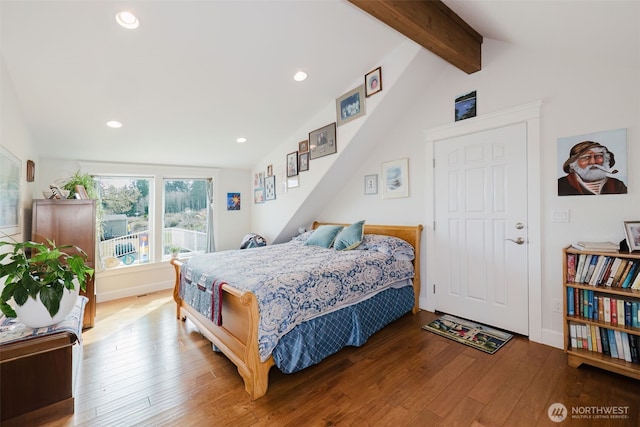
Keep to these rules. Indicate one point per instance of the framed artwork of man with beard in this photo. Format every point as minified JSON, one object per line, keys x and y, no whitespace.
{"x":593,"y":164}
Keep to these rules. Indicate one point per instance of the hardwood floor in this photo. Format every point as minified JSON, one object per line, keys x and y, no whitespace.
{"x":141,"y":366}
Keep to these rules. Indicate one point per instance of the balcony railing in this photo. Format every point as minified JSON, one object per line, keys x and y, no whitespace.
{"x":120,"y":247}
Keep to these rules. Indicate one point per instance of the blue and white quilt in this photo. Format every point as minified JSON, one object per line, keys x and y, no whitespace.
{"x":294,"y":282}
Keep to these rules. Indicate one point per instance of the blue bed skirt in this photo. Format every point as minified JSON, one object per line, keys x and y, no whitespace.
{"x":315,"y":339}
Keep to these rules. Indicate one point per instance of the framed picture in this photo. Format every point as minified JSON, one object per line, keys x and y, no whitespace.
{"x":81,"y":192}
{"x":269,"y":170}
{"x":395,"y":179}
{"x":370,"y":184}
{"x":466,"y":106}
{"x":270,"y":188}
{"x":292,"y":164}
{"x":322,"y":141}
{"x":632,"y":231}
{"x":258,"y":181}
{"x":258,"y":195}
{"x":303,"y":146}
{"x":293,"y":182}
{"x":10,"y":177}
{"x":350,"y":106}
{"x":233,"y":201}
{"x":373,"y":82}
{"x":31,"y":170}
{"x":592,"y":156}
{"x":303,"y":162}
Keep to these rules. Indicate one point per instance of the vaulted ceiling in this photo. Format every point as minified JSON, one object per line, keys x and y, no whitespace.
{"x":196,"y":75}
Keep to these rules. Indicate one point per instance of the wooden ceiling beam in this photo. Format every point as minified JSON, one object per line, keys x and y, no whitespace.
{"x":433,"y":25}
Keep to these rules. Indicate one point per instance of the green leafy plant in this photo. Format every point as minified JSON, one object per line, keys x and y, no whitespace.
{"x":84,"y":179}
{"x":47,"y":271}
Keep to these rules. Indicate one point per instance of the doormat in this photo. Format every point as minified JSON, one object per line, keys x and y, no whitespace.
{"x":469,"y":333}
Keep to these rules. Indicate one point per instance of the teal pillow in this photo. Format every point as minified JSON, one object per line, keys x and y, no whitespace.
{"x":350,"y":237}
{"x":324,"y":236}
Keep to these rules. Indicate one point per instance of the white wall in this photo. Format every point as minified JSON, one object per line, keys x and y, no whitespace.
{"x":15,"y":137}
{"x":579,"y":95}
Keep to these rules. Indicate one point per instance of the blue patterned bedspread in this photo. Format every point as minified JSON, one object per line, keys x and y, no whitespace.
{"x":292,"y":282}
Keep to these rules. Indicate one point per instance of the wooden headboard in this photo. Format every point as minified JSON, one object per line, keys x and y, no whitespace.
{"x":409,"y":233}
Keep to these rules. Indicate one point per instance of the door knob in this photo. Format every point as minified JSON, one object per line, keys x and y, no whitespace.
{"x":517,"y":241}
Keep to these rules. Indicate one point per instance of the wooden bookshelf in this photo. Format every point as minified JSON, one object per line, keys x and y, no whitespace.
{"x":583,"y":305}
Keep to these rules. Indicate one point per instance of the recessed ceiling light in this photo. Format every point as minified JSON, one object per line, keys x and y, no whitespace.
{"x":300,"y":76}
{"x":241,"y":140}
{"x":128,"y":20}
{"x":114,"y":124}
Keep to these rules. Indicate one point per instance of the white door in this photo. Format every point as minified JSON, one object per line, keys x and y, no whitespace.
{"x":481,"y":227}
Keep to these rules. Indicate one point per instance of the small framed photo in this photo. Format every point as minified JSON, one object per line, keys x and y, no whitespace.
{"x":233,"y":201}
{"x":258,"y":195}
{"x":632,"y":231}
{"x":373,"y":82}
{"x":465,"y":106}
{"x":292,"y":164}
{"x":322,"y":141}
{"x":350,"y":106}
{"x":303,"y":162}
{"x":269,"y":170}
{"x":303,"y":146}
{"x":395,"y":179}
{"x":31,"y":170}
{"x":270,"y":188}
{"x":81,"y":192}
{"x":258,"y":182}
{"x":370,"y":184}
{"x":293,"y":182}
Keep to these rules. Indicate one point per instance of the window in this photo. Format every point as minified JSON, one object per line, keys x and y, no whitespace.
{"x":145,"y":210}
{"x":185,"y":216}
{"x":126,"y":232}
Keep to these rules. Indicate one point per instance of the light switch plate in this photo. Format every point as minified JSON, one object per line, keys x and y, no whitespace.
{"x":560,"y":215}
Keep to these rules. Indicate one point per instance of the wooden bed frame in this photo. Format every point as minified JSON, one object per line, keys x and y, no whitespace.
{"x":237,"y":338}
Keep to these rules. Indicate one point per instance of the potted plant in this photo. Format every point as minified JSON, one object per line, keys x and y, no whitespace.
{"x":175,"y":251}
{"x":79,"y":178}
{"x":41,"y":272}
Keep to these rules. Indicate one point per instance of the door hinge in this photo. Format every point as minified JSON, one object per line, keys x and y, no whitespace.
{"x":434,"y":288}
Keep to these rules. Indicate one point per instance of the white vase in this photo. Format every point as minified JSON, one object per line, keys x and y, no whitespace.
{"x":34,"y":314}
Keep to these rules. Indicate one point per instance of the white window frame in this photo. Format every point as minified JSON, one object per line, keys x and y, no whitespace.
{"x":158,"y":173}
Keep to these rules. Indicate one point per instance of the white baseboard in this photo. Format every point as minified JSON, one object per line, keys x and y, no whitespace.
{"x":553,"y":338}
{"x":134,"y":291}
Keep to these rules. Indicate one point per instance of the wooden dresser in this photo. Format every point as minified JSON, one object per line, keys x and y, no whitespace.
{"x":69,"y":222}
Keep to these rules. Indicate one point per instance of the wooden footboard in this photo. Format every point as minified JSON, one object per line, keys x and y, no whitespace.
{"x":237,"y":338}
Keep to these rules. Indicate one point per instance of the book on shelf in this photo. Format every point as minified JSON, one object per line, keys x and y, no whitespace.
{"x":592,"y":266}
{"x":604,"y":337}
{"x":625,"y":346}
{"x":612,"y":271}
{"x":633,"y":271}
{"x":573,"y":335}
{"x":580,"y":267}
{"x":636,"y":281}
{"x":633,"y":348}
{"x":597,"y":270}
{"x":571,"y":268}
{"x":597,"y":246}
{"x":612,"y":343}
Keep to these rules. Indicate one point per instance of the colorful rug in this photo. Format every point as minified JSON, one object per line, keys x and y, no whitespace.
{"x":469,"y":333}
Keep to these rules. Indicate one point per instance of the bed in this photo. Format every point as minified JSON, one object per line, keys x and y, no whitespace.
{"x":253,"y":343}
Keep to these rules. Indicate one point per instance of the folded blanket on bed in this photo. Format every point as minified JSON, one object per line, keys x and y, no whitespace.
{"x":205,"y":295}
